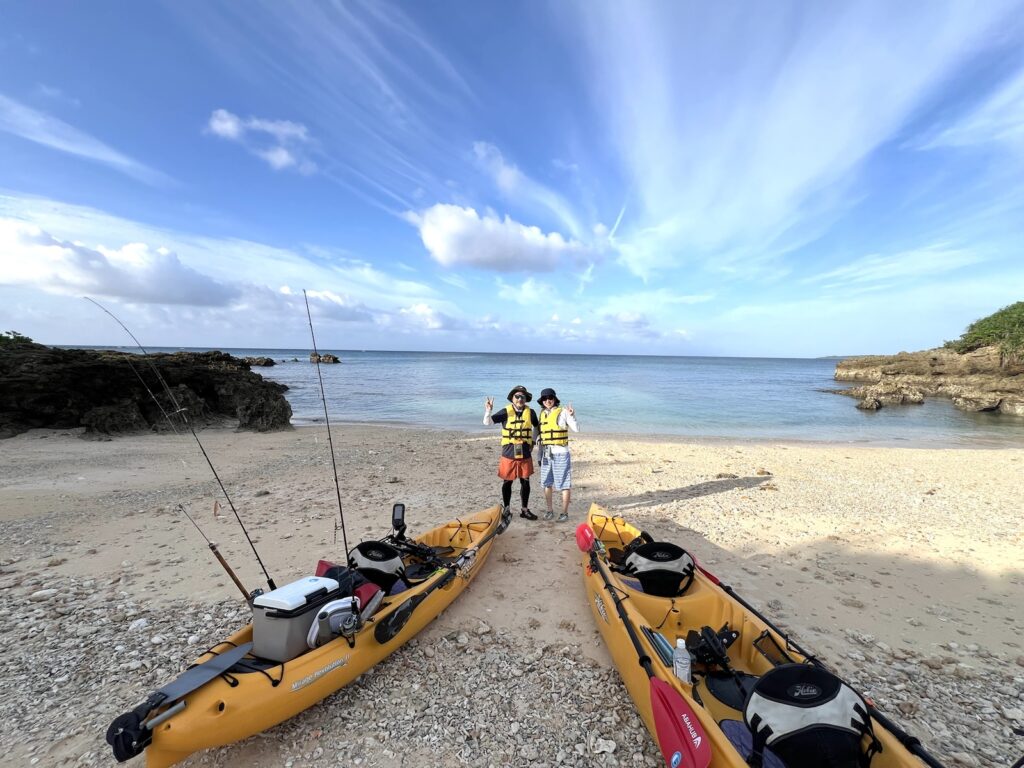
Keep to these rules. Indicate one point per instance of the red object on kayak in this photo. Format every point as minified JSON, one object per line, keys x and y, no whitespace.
{"x":584,"y":537}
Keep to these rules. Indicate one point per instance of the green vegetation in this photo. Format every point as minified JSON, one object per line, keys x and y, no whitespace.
{"x":1004,"y":329}
{"x":9,"y":339}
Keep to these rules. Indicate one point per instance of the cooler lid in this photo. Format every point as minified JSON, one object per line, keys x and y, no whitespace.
{"x":292,"y":596}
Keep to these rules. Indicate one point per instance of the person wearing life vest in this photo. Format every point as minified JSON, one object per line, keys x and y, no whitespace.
{"x":555,"y":463}
{"x":519,"y":427}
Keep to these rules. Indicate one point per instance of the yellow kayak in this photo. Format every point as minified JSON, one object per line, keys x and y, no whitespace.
{"x":713,"y":680}
{"x":236,"y":693}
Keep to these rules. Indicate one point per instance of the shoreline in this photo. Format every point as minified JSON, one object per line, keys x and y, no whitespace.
{"x":662,"y":438}
{"x":899,"y":567}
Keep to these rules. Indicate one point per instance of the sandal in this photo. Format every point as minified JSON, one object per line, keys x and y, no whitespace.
{"x":549,"y":515}
{"x":528,"y":514}
{"x":563,"y":517}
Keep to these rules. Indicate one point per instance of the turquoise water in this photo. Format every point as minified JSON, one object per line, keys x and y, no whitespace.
{"x":759,"y":398}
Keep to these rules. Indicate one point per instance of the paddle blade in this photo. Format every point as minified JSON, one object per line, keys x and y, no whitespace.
{"x":584,"y":537}
{"x":681,"y":738}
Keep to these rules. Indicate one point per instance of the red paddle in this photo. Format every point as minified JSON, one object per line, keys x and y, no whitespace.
{"x":680,"y":737}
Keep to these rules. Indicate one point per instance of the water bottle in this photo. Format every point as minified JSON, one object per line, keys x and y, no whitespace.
{"x":681,"y":661}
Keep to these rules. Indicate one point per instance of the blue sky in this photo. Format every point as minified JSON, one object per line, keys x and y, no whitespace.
{"x":783,"y":179}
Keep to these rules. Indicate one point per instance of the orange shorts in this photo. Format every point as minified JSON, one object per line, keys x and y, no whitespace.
{"x":510,"y":469}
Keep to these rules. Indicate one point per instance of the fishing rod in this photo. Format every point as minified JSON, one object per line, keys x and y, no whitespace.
{"x":183,"y":413}
{"x":217,"y":554}
{"x":327,"y":420}
{"x":142,"y":381}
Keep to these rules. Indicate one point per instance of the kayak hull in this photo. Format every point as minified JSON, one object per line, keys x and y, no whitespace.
{"x":236,"y":706}
{"x":704,"y":603}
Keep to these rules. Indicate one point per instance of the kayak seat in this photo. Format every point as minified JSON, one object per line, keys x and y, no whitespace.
{"x":718,"y":693}
{"x":810,"y":718}
{"x":379,"y":562}
{"x":663,"y":569}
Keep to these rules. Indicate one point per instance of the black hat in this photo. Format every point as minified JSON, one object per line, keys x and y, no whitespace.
{"x":549,"y":392}
{"x":522,"y":389}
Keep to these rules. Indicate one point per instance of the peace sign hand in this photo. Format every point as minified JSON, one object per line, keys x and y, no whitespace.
{"x":570,"y":410}
{"x":489,"y":403}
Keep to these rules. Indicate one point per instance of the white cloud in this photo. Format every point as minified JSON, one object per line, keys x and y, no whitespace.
{"x":44,"y":129}
{"x":530,"y":292}
{"x":281,"y":144}
{"x":135,"y":272}
{"x":457,"y":236}
{"x":423,"y":316}
{"x":227,"y":260}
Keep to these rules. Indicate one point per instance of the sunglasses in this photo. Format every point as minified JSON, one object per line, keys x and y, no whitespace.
{"x":544,"y":399}
{"x":518,"y":397}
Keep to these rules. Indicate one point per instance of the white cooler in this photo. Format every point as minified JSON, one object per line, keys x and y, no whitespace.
{"x":281,"y":619}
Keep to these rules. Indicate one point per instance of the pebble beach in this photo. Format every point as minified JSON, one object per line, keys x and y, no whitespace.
{"x":899,"y":567}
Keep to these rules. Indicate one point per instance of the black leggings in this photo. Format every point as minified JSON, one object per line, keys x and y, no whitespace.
{"x":524,"y":491}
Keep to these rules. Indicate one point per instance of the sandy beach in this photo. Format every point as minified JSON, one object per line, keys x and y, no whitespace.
{"x":900,"y":567}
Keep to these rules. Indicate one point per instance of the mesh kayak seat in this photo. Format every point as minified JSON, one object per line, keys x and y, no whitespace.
{"x":379,"y":562}
{"x":810,"y":718}
{"x":664,"y":569}
{"x":740,"y":737}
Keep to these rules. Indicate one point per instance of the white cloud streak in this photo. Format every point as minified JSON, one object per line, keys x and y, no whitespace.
{"x":44,"y":129}
{"x":763,"y":164}
{"x":524,"y":191}
{"x":999,"y":119}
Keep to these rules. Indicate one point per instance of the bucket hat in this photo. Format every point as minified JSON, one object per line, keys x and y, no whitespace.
{"x":549,"y":392}
{"x":522,"y":389}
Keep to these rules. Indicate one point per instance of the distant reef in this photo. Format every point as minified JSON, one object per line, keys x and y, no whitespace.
{"x":106,"y":392}
{"x":979,"y":380}
{"x":983,"y":370}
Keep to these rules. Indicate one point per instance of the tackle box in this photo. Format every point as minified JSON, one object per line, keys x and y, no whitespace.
{"x":281,"y":619}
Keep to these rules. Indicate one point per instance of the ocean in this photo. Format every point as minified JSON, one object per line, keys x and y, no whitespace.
{"x":698,"y":397}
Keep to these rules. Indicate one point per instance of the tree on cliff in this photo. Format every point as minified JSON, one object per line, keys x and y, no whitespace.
{"x":9,"y":339}
{"x":1003,"y":329}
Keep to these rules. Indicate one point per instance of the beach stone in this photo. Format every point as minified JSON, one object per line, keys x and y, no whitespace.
{"x":604,"y":746}
{"x":42,"y":595}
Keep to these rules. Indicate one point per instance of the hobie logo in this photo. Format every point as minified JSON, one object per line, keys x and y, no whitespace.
{"x":600,"y":607}
{"x":677,"y":760}
{"x":694,"y":736}
{"x":804,"y":691}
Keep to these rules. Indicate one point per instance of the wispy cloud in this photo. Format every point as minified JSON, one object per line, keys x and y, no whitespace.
{"x":44,"y":129}
{"x":998,"y":119}
{"x":520,"y":189}
{"x":457,"y":236}
{"x":56,"y":94}
{"x":282,"y":144}
{"x":730,"y":173}
{"x":389,"y":104}
{"x":916,"y":264}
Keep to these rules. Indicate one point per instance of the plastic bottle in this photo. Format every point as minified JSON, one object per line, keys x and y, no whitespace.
{"x":681,"y":661}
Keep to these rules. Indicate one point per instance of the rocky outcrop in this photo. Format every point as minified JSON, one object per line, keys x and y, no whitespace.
{"x":114,"y":392}
{"x":982,"y":380}
{"x":324,"y":358}
{"x":259,"y":362}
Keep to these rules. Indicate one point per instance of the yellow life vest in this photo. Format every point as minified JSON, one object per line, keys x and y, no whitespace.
{"x":550,"y":432}
{"x":518,"y":427}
